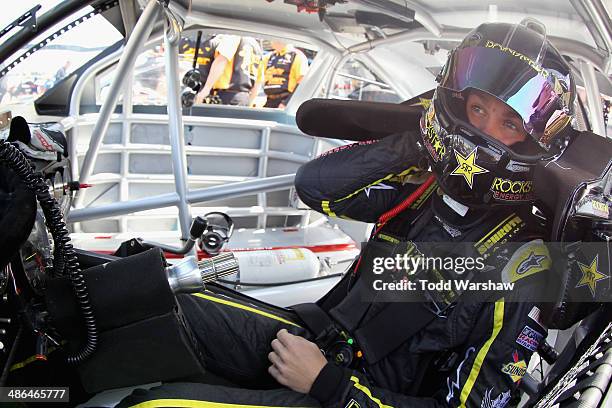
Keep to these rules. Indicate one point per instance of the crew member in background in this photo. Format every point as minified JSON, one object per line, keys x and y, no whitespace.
{"x":284,"y":69}
{"x":206,"y":54}
{"x":233,"y":70}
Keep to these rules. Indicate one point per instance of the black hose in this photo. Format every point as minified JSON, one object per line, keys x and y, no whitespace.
{"x":167,"y":248}
{"x":17,"y":162}
{"x":197,"y":49}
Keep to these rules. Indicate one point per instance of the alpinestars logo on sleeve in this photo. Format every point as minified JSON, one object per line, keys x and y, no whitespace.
{"x":467,"y":167}
{"x":532,"y":261}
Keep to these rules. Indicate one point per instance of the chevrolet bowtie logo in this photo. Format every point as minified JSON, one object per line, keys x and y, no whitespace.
{"x":467,"y":167}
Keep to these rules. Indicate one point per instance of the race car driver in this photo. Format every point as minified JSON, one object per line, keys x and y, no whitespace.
{"x":503,"y":103}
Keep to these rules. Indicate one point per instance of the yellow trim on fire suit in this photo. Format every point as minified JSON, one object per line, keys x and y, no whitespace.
{"x":498,"y":322}
{"x":326,"y":209}
{"x":325,"y":203}
{"x":367,"y":392}
{"x":409,"y":170}
{"x":244,"y":307}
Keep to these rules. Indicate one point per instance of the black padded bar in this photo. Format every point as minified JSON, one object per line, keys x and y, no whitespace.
{"x":357,"y":120}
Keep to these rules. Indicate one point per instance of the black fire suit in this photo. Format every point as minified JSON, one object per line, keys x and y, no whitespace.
{"x":473,"y":354}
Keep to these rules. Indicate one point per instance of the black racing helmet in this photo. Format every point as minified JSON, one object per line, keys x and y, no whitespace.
{"x":516,"y":64}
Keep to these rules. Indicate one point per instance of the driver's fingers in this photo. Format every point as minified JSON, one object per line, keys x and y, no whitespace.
{"x":275,"y":359}
{"x":285,"y":337}
{"x":275,"y":373}
{"x":280,"y":349}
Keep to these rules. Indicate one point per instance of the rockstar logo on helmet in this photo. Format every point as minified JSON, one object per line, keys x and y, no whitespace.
{"x":467,"y":167}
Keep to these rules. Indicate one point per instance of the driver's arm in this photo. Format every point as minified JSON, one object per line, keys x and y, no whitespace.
{"x":362,"y":180}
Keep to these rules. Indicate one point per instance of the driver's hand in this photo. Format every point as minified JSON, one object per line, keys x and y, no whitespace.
{"x":296,"y":362}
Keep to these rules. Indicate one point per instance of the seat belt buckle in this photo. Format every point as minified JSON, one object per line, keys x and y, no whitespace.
{"x":338,"y":347}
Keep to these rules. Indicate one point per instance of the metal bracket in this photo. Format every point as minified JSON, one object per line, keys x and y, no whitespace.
{"x":26,"y":20}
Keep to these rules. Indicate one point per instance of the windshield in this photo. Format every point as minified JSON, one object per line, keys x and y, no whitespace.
{"x":16,"y":9}
{"x":41,"y":71}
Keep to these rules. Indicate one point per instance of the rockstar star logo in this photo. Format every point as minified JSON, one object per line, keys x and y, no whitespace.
{"x":590,"y":275}
{"x":467,"y":168}
{"x":437,"y":146}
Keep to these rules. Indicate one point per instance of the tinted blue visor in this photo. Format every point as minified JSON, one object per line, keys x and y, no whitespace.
{"x":533,"y":92}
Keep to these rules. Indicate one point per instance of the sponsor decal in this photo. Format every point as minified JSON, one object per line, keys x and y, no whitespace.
{"x":535,"y":314}
{"x":505,"y":230}
{"x":590,"y":275}
{"x":499,"y":402}
{"x":600,"y":209}
{"x":454,"y":384}
{"x":431,"y":138}
{"x":512,"y":190}
{"x":531,"y":258}
{"x":516,"y":369}
{"x":529,"y":338}
{"x":43,"y":140}
{"x":352,"y":404}
{"x":514,"y":53}
{"x":532,"y":261}
{"x":467,"y":167}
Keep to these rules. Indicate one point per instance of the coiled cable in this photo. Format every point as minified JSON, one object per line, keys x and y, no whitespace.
{"x":66,"y":263}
